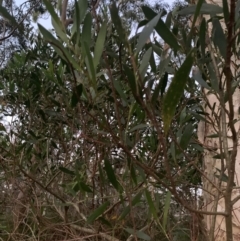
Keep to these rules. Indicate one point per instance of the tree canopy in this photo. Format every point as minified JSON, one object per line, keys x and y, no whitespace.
{"x":99,"y":122}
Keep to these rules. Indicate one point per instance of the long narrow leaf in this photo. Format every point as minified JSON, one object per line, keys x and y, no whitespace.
{"x":4,"y":13}
{"x":117,"y":21}
{"x":98,"y":212}
{"x":60,"y":49}
{"x":139,"y":234}
{"x":186,"y":136}
{"x":127,"y":209}
{"x":196,"y":14}
{"x":145,"y":63}
{"x":99,"y":45}
{"x":176,"y":90}
{"x":83,"y":6}
{"x":86,"y":31}
{"x":167,"y":35}
{"x":162,"y":29}
{"x":219,"y":37}
{"x":202,"y":36}
{"x":59,"y":31}
{"x":90,"y":67}
{"x":79,"y":15}
{"x":166,"y":209}
{"x":150,"y":14}
{"x":119,"y":89}
{"x":145,"y":34}
{"x":151,"y":205}
{"x":50,"y":38}
{"x":111,"y":174}
{"x":76,"y":22}
{"x":205,"y":9}
{"x":52,"y":12}
{"x":226,"y":11}
{"x":197,"y":75}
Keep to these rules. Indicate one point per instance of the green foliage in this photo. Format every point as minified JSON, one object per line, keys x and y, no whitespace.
{"x":138,"y":234}
{"x":219,"y":37}
{"x":96,"y":126}
{"x":176,"y":90}
{"x":4,"y":13}
{"x":161,"y":28}
{"x":144,"y":36}
{"x":166,"y":209}
{"x":99,"y":211}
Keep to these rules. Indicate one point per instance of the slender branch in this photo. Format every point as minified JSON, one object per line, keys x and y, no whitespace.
{"x":96,"y":5}
{"x":151,"y":172}
{"x":41,"y":185}
{"x":68,"y":22}
{"x":92,"y":231}
{"x":64,"y":11}
{"x":231,"y":161}
{"x":235,"y":199}
{"x":18,"y":25}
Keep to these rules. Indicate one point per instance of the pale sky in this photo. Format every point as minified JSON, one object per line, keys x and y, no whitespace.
{"x":45,"y":22}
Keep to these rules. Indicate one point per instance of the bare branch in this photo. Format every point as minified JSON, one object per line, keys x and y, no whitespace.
{"x":64,"y":11}
{"x":68,"y":22}
{"x":92,"y":231}
{"x":15,"y":28}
